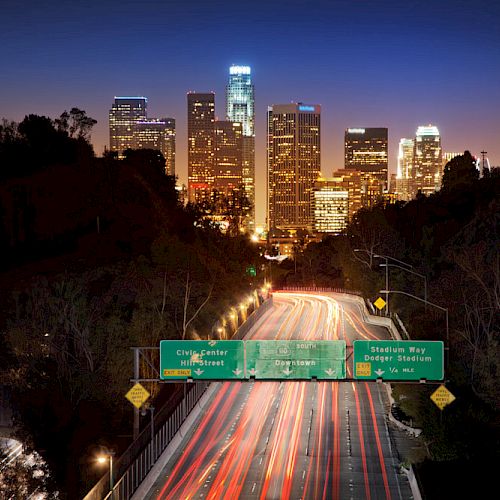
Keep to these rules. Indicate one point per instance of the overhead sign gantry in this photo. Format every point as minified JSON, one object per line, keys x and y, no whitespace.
{"x":300,"y":360}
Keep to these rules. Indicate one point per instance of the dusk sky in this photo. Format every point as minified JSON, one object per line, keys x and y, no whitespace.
{"x":368,"y":63}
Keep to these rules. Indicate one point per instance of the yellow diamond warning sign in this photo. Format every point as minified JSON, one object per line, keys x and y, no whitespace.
{"x":137,"y":395}
{"x":442,"y":397}
{"x":379,"y":303}
{"x":363,"y":369}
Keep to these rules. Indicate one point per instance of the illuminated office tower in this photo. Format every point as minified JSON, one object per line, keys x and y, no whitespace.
{"x":449,"y":156}
{"x":404,"y":181}
{"x":123,"y":116}
{"x":365,"y":150}
{"x":160,"y":135}
{"x":293,"y":164}
{"x":228,"y":157}
{"x":352,"y":182}
{"x":240,"y":107}
{"x":169,"y":147}
{"x":427,"y":160}
{"x":331,"y":206}
{"x":201,"y":151}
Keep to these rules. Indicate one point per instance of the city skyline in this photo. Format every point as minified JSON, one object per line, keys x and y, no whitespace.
{"x":439,"y":66}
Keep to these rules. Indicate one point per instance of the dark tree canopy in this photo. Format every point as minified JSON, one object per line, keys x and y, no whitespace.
{"x":98,"y":255}
{"x":460,"y":171}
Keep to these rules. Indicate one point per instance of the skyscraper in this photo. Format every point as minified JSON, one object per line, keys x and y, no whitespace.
{"x":240,"y":107}
{"x":293,"y":164}
{"x":201,"y":151}
{"x":169,"y":148}
{"x":160,"y":135}
{"x":352,"y":182}
{"x":427,"y":160}
{"x":404,"y":181}
{"x":123,"y":116}
{"x":331,"y":206}
{"x":365,"y":150}
{"x":228,"y":157}
{"x":129,"y":127}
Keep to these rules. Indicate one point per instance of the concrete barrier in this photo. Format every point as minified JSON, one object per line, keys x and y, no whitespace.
{"x":415,"y":490}
{"x":253,"y":319}
{"x":370,"y":318}
{"x":153,"y":474}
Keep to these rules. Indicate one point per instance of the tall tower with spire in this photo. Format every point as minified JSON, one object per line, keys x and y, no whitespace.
{"x":240,"y":107}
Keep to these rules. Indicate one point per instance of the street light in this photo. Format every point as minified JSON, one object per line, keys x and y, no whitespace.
{"x":102,"y":459}
{"x":445,"y":309}
{"x":394,"y":259}
{"x":387,"y":258}
{"x":408,"y":267}
{"x":410,"y":271}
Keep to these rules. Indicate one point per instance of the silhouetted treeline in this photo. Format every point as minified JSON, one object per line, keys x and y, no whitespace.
{"x":98,"y":256}
{"x":453,"y":238}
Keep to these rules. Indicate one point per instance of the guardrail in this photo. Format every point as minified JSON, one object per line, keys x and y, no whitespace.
{"x":132,"y":474}
{"x":141,"y":466}
{"x":316,"y":289}
{"x":252,"y":319}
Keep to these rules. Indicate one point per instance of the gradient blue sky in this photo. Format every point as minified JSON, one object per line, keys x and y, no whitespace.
{"x":368,"y":63}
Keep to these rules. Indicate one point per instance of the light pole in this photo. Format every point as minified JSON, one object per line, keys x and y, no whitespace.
{"x":407,"y":267}
{"x":108,"y":455}
{"x":386,"y":265}
{"x":445,"y":309}
{"x":151,"y":409}
{"x":393,"y":259}
{"x":152,"y":425}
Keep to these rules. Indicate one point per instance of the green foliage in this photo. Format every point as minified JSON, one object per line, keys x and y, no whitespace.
{"x":24,"y":476}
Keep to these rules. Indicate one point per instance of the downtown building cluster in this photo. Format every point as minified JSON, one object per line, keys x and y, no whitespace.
{"x":300,"y":200}
{"x":421,"y":163}
{"x":130,"y":128}
{"x":221,"y":153}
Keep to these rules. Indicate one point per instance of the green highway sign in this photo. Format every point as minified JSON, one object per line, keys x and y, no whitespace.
{"x":398,"y":359}
{"x":202,"y":359}
{"x":295,"y":359}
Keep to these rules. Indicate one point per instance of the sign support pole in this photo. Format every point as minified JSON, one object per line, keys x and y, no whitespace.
{"x":136,"y":377}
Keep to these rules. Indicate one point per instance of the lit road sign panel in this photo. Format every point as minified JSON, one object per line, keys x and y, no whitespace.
{"x":295,"y":359}
{"x":398,"y":359}
{"x":442,"y":397}
{"x":202,"y":359}
{"x":379,"y":303}
{"x":137,"y":395}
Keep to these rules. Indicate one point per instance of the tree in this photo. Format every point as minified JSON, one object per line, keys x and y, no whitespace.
{"x":23,"y":476}
{"x":475,"y":251}
{"x":459,"y":171}
{"x":76,"y":123}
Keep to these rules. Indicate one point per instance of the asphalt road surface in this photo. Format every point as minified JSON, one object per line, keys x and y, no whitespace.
{"x":292,"y":440}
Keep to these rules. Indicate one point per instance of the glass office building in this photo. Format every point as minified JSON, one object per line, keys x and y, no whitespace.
{"x":365,"y":150}
{"x":405,"y":188}
{"x":427,"y":160}
{"x":293,"y":164}
{"x":201,"y":145}
{"x":160,"y":135}
{"x":240,"y":107}
{"x":123,"y":116}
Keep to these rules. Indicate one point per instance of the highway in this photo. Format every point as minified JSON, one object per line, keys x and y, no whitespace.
{"x":292,"y":440}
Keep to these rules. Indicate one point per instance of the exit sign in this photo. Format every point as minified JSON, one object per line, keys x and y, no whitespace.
{"x":398,"y":359}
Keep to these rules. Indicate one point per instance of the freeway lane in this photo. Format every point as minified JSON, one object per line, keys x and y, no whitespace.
{"x":272,"y":440}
